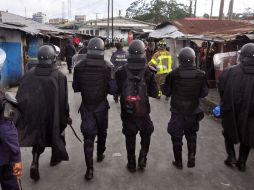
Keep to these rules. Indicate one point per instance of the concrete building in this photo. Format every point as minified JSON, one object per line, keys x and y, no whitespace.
{"x":80,"y":18}
{"x":39,"y":17}
{"x":123,"y":28}
{"x":56,"y":21}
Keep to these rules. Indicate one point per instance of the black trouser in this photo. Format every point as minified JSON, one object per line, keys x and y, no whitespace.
{"x":93,"y":124}
{"x":38,"y":149}
{"x":244,"y":150}
{"x":180,"y":125}
{"x":7,"y":180}
{"x":69,"y":62}
{"x":131,"y":126}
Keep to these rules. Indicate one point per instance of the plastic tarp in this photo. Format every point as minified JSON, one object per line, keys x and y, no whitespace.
{"x":2,"y":58}
{"x":224,"y":60}
{"x":168,"y":31}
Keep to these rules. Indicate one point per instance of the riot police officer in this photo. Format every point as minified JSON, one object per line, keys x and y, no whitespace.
{"x":119,"y":58}
{"x":135,"y":83}
{"x":237,"y":107}
{"x":45,"y":110}
{"x":185,"y":85}
{"x":92,"y":77}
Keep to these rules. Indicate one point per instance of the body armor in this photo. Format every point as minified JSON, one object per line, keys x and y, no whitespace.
{"x":187,"y":85}
{"x":93,"y":76}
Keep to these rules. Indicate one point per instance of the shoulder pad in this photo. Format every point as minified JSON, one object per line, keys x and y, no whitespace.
{"x":80,"y":58}
{"x":10,"y":97}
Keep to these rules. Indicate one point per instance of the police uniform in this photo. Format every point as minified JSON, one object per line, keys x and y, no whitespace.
{"x":185,"y":85}
{"x":131,"y":124}
{"x":92,"y":77}
{"x":118,"y":59}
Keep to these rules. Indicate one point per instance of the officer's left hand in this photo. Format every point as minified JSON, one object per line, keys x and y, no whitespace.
{"x":69,"y":121}
{"x":17,"y":169}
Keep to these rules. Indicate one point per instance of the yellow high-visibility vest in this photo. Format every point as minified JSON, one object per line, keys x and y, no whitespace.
{"x":162,"y":61}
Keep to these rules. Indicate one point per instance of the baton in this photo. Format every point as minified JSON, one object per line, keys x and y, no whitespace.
{"x":74,"y":132}
{"x":19,"y":183}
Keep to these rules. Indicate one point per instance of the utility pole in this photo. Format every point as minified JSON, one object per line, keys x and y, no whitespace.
{"x":112,"y":23}
{"x":96,"y":18}
{"x":108,"y":18}
{"x":221,"y":9}
{"x":190,"y":8}
{"x":63,"y":15}
{"x":69,"y":9}
{"x":25,"y":13}
{"x":230,"y":9}
{"x":195,"y":8}
{"x":211,"y":13}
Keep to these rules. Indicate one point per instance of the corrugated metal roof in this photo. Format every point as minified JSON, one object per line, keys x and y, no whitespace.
{"x":224,"y":29}
{"x":27,"y":25}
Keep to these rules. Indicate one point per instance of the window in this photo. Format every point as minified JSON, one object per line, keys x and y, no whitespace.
{"x":92,"y":32}
{"x":97,"y":33}
{"x":87,"y":32}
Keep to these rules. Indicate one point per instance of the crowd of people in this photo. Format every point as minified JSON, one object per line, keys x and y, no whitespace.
{"x":136,"y":75}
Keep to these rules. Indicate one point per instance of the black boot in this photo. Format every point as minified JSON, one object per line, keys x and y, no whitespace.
{"x":88,"y":149}
{"x":34,"y":169}
{"x":177,"y":149}
{"x":131,"y":165}
{"x":131,"y":146}
{"x":100,"y":157}
{"x":243,"y":156}
{"x":116,"y":98}
{"x":145,"y":143}
{"x":101,"y":146}
{"x":231,"y":158}
{"x":191,"y":155}
{"x":191,"y":144}
{"x":142,"y":159}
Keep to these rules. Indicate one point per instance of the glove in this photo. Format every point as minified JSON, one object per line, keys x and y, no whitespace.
{"x":69,"y":121}
{"x":17,"y":169}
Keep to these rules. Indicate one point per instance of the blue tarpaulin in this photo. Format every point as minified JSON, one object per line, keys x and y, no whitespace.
{"x":11,"y":72}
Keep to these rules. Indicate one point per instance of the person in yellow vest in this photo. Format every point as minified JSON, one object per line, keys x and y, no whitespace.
{"x":162,"y":62}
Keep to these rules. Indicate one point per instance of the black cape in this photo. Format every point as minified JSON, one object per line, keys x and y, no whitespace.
{"x":43,"y":100}
{"x":236,"y":87}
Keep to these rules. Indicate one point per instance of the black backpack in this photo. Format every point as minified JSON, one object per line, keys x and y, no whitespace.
{"x":134,"y":93}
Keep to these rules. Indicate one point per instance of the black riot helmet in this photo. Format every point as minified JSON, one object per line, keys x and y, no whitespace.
{"x":47,"y":54}
{"x":247,"y":54}
{"x":137,"y":49}
{"x":119,"y":45}
{"x":95,"y":47}
{"x":186,"y":56}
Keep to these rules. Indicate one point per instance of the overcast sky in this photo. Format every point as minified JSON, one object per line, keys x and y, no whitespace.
{"x":53,"y":8}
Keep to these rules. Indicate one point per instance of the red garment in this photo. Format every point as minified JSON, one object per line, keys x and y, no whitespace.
{"x":75,"y":40}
